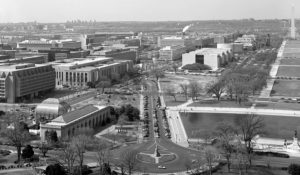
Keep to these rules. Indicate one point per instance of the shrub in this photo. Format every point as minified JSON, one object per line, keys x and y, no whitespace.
{"x":196,"y":67}
{"x":294,"y":169}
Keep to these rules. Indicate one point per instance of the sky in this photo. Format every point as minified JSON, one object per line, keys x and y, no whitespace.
{"x":144,"y":10}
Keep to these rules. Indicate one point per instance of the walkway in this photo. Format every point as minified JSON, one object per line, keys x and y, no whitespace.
{"x":266,"y":92}
{"x":289,"y":113}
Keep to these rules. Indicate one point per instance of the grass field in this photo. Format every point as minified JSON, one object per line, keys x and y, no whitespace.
{"x":287,"y":88}
{"x":277,"y":105}
{"x":174,"y":81}
{"x":290,"y":61}
{"x":289,"y":71}
{"x":229,"y":104}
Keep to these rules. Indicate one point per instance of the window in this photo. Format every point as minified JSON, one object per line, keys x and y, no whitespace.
{"x":67,"y":76}
{"x":85,"y":78}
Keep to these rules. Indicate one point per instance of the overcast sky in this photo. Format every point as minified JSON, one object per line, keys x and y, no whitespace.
{"x":143,"y":10}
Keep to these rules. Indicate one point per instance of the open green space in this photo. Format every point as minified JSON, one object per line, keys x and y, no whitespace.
{"x":224,"y":104}
{"x":277,"y":105}
{"x":289,"y":71}
{"x":198,"y":125}
{"x":290,"y":61}
{"x":286,"y":88}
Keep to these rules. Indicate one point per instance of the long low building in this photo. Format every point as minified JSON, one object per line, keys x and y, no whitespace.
{"x":78,"y":72}
{"x":24,"y":81}
{"x":69,"y":124}
{"x":213,"y":57}
{"x":171,"y":53}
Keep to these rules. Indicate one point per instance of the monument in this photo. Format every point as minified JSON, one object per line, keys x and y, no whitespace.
{"x":293,"y":28}
{"x":294,"y":147}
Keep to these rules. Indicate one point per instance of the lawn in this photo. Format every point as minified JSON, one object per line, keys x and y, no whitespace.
{"x":174,"y":81}
{"x":252,"y":171}
{"x":287,"y":88}
{"x":277,"y":105}
{"x":120,"y":137}
{"x":225,"y":104}
{"x":170,"y":101}
{"x":289,"y":71}
{"x":290,"y":61}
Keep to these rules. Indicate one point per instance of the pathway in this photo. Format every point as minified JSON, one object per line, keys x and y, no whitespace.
{"x":266,"y":92}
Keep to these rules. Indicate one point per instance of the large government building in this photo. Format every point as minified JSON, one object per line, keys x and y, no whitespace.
{"x":24,"y":81}
{"x":78,"y":72}
{"x":69,"y":124}
{"x":213,"y":57}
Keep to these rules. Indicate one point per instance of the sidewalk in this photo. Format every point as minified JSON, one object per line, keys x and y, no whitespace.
{"x":288,"y":113}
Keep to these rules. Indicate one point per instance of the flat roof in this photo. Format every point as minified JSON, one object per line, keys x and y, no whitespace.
{"x":21,"y":66}
{"x":211,"y":51}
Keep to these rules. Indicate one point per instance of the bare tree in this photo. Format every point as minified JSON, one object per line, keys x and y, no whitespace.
{"x":79,"y":144}
{"x":195,"y":89}
{"x":103,"y":155}
{"x":129,"y":161}
{"x":185,"y":89}
{"x":175,"y":67}
{"x":250,"y":126}
{"x":217,"y":88}
{"x":226,"y":135}
{"x":104,"y":84}
{"x":68,"y":157}
{"x":170,"y":91}
{"x":44,"y":147}
{"x":17,"y":133}
{"x":157,"y":73}
{"x":210,"y":157}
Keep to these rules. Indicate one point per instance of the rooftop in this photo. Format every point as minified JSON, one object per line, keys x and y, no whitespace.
{"x":76,"y":114}
{"x":211,"y":51}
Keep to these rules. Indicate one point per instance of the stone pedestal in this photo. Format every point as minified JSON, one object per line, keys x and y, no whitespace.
{"x":294,"y":147}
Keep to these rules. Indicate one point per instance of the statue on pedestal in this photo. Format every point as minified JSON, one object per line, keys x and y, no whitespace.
{"x":157,"y":154}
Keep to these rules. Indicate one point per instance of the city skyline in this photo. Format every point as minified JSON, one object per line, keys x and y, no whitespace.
{"x":142,"y":10}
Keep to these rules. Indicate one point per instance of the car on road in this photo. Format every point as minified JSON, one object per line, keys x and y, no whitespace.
{"x":161,"y":167}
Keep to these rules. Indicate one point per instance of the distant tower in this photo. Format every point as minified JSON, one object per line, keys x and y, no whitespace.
{"x":293,"y":28}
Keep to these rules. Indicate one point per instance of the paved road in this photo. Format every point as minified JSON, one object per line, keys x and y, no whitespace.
{"x":183,"y":155}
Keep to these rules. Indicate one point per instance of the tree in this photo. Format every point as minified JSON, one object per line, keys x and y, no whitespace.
{"x":196,"y":67}
{"x":27,"y":152}
{"x":210,"y":157}
{"x":55,"y":169}
{"x":103,"y":157}
{"x":129,"y":161}
{"x":195,"y":89}
{"x":51,"y":136}
{"x":185,"y":89}
{"x":16,"y":134}
{"x":157,"y":73}
{"x":217,"y":88}
{"x":90,"y":84}
{"x":294,"y":169}
{"x":175,"y":67}
{"x":171,"y":92}
{"x":79,"y":144}
{"x":68,"y":157}
{"x":132,"y":113}
{"x":115,"y":78}
{"x":250,"y":126}
{"x":44,"y":148}
{"x":104,"y":84}
{"x":226,"y":135}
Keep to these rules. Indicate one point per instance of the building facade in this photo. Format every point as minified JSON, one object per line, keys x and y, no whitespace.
{"x":212,"y":57}
{"x":43,"y":44}
{"x":69,"y":124}
{"x":79,"y":73}
{"x":171,"y":53}
{"x":118,"y":54}
{"x":24,"y":81}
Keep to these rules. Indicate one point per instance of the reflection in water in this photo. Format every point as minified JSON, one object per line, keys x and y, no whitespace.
{"x":202,"y":124}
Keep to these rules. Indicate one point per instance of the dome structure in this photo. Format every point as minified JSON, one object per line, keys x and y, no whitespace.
{"x":52,"y":108}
